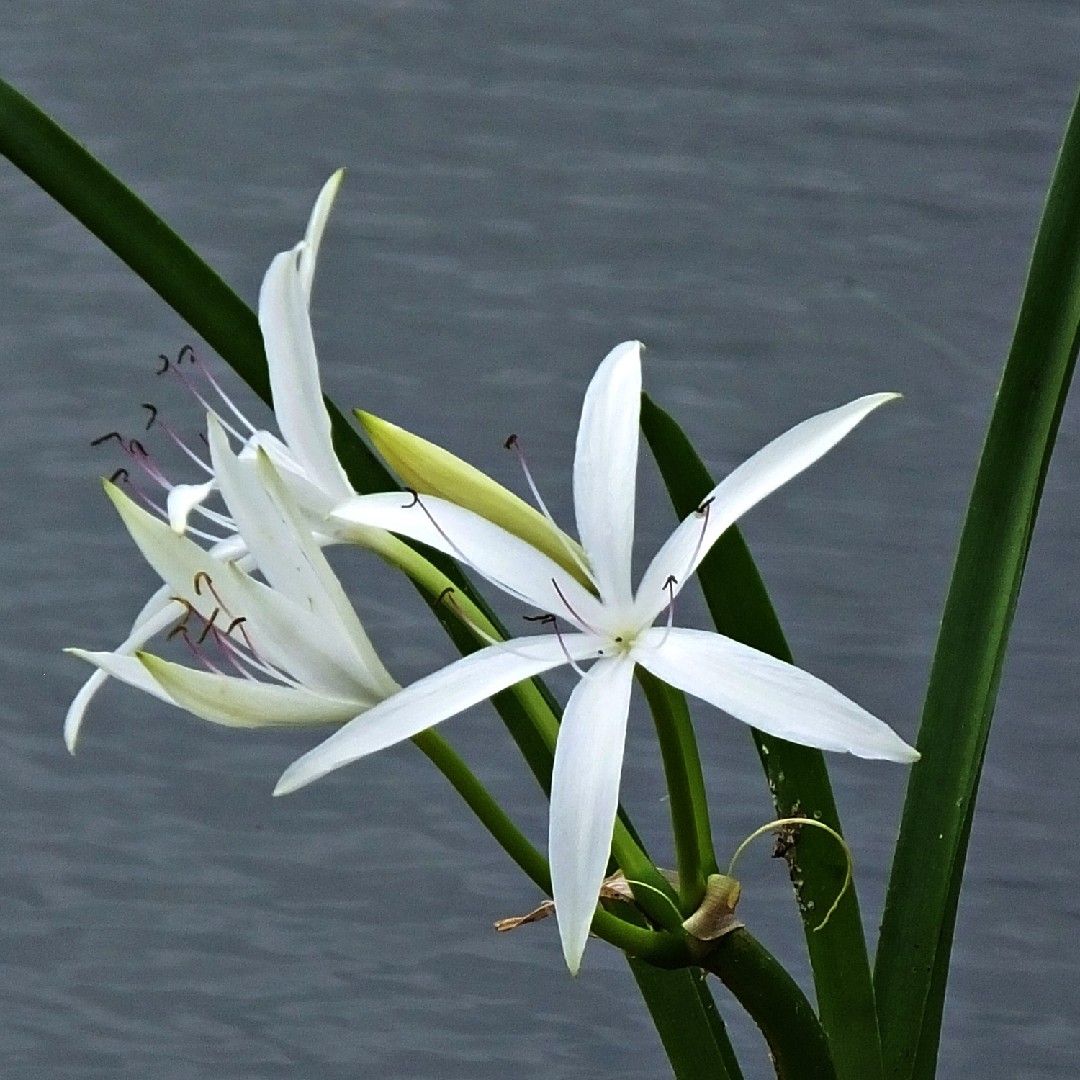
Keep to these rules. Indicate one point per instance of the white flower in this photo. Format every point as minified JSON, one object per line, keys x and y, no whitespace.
{"x":304,"y":455}
{"x":298,"y":628}
{"x":614,"y":630}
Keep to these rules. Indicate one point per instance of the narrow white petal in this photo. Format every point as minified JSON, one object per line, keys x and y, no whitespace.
{"x":280,"y":539}
{"x":238,"y":702}
{"x":283,"y":633}
{"x":128,"y":669}
{"x":505,"y":560}
{"x":158,"y":613}
{"x":772,"y":696}
{"x":758,"y":476}
{"x":183,"y":498}
{"x":605,"y":470}
{"x":294,"y":373}
{"x":435,"y":698}
{"x":585,"y":797}
{"x":315,"y":226}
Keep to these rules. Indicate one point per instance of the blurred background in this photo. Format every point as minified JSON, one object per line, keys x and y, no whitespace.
{"x":791,"y":204}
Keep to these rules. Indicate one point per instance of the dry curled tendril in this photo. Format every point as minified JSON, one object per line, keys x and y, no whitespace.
{"x":715,"y":916}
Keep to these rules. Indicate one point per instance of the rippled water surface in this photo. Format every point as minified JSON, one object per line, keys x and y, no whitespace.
{"x":791,"y":204}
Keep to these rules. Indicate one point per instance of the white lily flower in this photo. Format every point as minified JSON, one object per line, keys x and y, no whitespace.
{"x":298,"y":628}
{"x":303,"y":455}
{"x":614,"y":630}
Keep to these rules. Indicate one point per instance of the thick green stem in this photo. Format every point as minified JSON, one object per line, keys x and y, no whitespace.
{"x":686,"y":789}
{"x":492,"y":816}
{"x":797,"y":1041}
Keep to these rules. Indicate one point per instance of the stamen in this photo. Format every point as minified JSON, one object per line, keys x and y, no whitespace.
{"x":447,"y":597}
{"x":166,"y":363}
{"x":153,"y":414}
{"x":238,"y":624}
{"x":105,"y":438}
{"x":120,"y":473}
{"x":703,"y":512}
{"x":566,"y":603}
{"x":670,"y":584}
{"x":513,"y":444}
{"x":202,"y":577}
{"x":582,"y":673}
{"x":209,"y":625}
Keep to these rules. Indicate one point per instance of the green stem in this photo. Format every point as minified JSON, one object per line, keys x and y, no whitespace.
{"x":688,"y":1022}
{"x":796,"y":1039}
{"x":492,"y":816}
{"x":665,"y":950}
{"x":686,"y":789}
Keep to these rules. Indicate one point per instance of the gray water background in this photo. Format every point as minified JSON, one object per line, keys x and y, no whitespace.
{"x":791,"y":204}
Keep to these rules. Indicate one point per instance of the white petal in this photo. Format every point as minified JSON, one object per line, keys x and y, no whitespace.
{"x":435,"y":698}
{"x":316,"y":223}
{"x":585,"y":797}
{"x":183,"y":498}
{"x":127,"y":669}
{"x":772,"y":696}
{"x":605,"y":470}
{"x":159,"y":612}
{"x":238,"y":702}
{"x":773,"y":465}
{"x":505,"y":560}
{"x":294,"y":373}
{"x":283,"y":634}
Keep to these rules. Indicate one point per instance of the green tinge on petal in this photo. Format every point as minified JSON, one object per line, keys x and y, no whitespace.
{"x":431,"y":470}
{"x":246,"y":703}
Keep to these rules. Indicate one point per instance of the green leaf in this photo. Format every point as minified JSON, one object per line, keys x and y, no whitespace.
{"x":797,"y":777}
{"x":916,"y":935}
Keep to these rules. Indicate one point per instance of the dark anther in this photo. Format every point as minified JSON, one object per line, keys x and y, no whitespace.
{"x":446,"y":594}
{"x":209,"y":625}
{"x":705,"y":505}
{"x":166,"y":363}
{"x":546,"y":620}
{"x":179,"y":629}
{"x":153,"y":414}
{"x":618,"y":640}
{"x":511,"y":442}
{"x":119,"y":474}
{"x":136,"y":447}
{"x":105,"y":438}
{"x":238,"y":621}
{"x":415,"y":499}
{"x":188,"y":351}
{"x":671,"y":582}
{"x":198,"y":580}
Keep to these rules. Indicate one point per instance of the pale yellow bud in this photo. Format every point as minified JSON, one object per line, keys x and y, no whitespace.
{"x":430,"y":470}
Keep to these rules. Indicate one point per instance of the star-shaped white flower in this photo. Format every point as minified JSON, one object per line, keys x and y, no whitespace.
{"x":297,"y":630}
{"x":614,"y":631}
{"x":303,"y":455}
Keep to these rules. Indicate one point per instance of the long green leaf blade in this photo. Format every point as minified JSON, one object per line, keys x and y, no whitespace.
{"x":916,"y":935}
{"x":797,"y":777}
